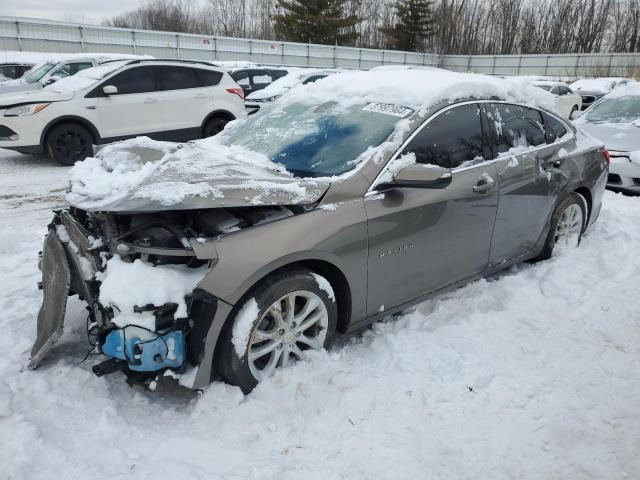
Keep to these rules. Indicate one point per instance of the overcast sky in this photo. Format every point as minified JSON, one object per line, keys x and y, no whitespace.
{"x":81,"y":11}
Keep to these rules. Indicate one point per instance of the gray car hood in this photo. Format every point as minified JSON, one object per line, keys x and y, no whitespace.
{"x":8,"y":98}
{"x":142,"y":175}
{"x":624,"y":137}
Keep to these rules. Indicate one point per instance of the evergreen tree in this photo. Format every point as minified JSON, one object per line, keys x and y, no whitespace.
{"x":315,"y":21}
{"x":414,"y":25}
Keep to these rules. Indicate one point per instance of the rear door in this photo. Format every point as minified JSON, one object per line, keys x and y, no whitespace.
{"x":134,"y":110}
{"x":421,"y":239}
{"x":526,"y":194}
{"x":185,"y":103}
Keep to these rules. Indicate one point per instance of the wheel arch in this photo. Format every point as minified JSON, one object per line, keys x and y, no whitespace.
{"x":222,"y":113}
{"x":586,"y":194}
{"x":323,"y":267}
{"x":83,"y":122}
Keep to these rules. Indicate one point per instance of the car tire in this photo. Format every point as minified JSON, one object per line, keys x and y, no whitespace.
{"x":254,"y":327}
{"x":564,"y":226}
{"x":214,"y":126}
{"x":68,"y":143}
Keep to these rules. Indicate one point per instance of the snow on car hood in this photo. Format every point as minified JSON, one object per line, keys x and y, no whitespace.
{"x":146,"y":175}
{"x":623,"y":137}
{"x":31,"y":96}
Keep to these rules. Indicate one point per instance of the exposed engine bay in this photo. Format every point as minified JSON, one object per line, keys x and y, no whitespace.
{"x":143,"y":339}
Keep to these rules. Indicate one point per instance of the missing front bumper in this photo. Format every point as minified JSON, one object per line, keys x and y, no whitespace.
{"x":56,"y":278}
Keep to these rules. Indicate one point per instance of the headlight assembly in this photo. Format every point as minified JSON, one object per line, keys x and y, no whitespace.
{"x":23,"y":110}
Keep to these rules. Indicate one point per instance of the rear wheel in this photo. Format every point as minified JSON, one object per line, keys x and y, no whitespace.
{"x":214,"y":126}
{"x":567,"y":224}
{"x":68,"y":143}
{"x":284,"y":318}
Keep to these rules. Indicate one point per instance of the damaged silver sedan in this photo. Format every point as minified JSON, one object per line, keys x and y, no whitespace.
{"x":233,"y":256}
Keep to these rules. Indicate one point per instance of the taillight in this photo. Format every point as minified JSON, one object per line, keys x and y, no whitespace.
{"x":237,"y":91}
{"x":605,"y":154}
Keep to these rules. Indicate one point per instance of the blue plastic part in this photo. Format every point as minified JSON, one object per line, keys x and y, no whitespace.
{"x":145,"y":351}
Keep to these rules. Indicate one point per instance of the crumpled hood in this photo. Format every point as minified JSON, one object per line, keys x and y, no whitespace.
{"x":8,"y":98}
{"x":624,"y":137}
{"x":143,"y":175}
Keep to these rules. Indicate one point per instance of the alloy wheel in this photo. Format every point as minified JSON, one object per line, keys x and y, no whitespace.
{"x":569,"y":226}
{"x":294,"y":323}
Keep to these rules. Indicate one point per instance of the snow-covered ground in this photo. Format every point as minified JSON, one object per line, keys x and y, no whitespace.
{"x":532,"y":374}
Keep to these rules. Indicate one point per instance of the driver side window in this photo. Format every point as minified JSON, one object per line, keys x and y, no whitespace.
{"x":450,"y":139}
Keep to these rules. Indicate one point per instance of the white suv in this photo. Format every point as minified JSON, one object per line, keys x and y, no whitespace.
{"x":162,"y":99}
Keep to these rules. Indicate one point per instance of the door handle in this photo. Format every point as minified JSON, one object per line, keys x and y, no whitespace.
{"x":150,"y":100}
{"x":484,"y":184}
{"x":200,"y":95}
{"x":555,"y":163}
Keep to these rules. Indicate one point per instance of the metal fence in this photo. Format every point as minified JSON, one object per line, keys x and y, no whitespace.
{"x":24,"y":34}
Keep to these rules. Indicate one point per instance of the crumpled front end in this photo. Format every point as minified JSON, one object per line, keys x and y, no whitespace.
{"x":139,"y":275}
{"x":137,"y":336}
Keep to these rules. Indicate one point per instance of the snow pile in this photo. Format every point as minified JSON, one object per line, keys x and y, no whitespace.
{"x":168,"y":173}
{"x":243,"y":326}
{"x":417,"y":88}
{"x":128,"y":285}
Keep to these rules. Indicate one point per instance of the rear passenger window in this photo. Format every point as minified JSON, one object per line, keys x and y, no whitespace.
{"x":450,"y":139}
{"x":133,"y":80}
{"x":554,"y":129}
{"x":515,"y":126}
{"x":178,"y":78}
{"x":208,"y":78}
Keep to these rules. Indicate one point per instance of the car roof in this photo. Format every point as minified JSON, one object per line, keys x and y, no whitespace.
{"x":418,"y":88}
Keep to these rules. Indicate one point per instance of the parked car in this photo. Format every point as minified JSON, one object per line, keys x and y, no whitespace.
{"x":593,"y":89}
{"x":57,"y":67}
{"x":358,"y":197}
{"x":13,"y":70}
{"x":169,"y":100}
{"x":615,"y":120}
{"x":567,"y":101}
{"x":265,"y":97}
{"x":256,"y":78}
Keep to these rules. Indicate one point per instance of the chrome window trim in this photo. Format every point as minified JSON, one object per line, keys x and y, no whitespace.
{"x":396,"y":154}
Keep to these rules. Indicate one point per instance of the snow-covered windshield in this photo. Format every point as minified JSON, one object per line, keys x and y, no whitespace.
{"x":544,"y":87}
{"x":36,"y":74}
{"x":624,"y":109}
{"x":316,"y":140}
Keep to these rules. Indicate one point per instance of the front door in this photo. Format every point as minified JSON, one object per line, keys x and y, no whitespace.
{"x":135,"y":109}
{"x":421,"y":239}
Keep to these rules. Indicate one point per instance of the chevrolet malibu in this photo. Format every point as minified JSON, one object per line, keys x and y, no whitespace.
{"x":349,"y":200}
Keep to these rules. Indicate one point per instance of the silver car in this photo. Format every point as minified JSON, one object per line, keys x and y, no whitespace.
{"x":615,"y":120}
{"x":360,"y":209}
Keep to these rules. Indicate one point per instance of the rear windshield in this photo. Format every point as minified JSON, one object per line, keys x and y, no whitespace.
{"x":615,"y":110}
{"x":316,"y":140}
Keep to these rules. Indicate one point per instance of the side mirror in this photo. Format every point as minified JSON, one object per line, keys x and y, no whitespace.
{"x":575,"y":114}
{"x":419,"y":175}
{"x":110,"y":90}
{"x":52,"y":79}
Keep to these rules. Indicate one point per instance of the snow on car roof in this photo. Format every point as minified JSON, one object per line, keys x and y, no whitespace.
{"x":548,"y":83}
{"x":604,"y":84}
{"x":633,"y":90}
{"x":85,"y":78}
{"x":290,"y":80}
{"x":418,"y":88}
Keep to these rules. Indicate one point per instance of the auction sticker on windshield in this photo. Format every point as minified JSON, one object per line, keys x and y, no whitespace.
{"x":389,"y":109}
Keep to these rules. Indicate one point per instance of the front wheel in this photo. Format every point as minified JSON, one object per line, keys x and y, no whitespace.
{"x":567,"y":225}
{"x":285,"y":317}
{"x":68,"y":143}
